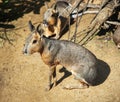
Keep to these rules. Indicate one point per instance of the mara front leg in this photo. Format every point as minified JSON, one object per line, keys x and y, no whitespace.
{"x":52,"y":73}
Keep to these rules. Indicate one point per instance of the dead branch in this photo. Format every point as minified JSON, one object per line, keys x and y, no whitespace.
{"x":78,"y":21}
{"x":86,"y":12}
{"x":97,"y":23}
{"x":7,"y":37}
{"x":113,"y":23}
{"x":4,"y":36}
{"x":82,"y":5}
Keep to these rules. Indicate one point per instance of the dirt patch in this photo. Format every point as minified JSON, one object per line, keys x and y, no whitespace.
{"x":24,"y":78}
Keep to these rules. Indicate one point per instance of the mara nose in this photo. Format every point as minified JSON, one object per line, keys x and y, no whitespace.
{"x":44,"y":22}
{"x":25,"y":51}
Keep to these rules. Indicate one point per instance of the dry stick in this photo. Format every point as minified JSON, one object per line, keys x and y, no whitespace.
{"x":86,"y":34}
{"x":117,"y":3}
{"x":90,"y":5}
{"x":88,"y":37}
{"x":90,"y":34}
{"x":7,"y":37}
{"x":76,"y":5}
{"x":104,"y":2}
{"x":93,"y":6}
{"x":113,"y":22}
{"x":69,"y":29}
{"x":85,"y":30}
{"x":76,"y":28}
{"x":85,"y":12}
{"x":77,"y":22}
{"x":1,"y":37}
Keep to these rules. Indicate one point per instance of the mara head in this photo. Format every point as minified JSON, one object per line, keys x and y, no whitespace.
{"x":50,"y":16}
{"x":32,"y":42}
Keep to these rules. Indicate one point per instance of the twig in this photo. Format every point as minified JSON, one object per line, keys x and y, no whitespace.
{"x":113,"y":22}
{"x":2,"y":38}
{"x":104,"y":3}
{"x":90,"y":5}
{"x":7,"y":37}
{"x":88,"y":37}
{"x":86,"y":12}
{"x":78,"y":21}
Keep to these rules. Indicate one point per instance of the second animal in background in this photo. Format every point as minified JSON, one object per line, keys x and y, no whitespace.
{"x":55,"y":19}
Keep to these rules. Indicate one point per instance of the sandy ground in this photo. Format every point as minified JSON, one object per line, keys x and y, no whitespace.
{"x":24,"y":78}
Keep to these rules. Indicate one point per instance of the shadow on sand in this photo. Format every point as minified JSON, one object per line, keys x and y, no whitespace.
{"x":103,"y":72}
{"x":13,"y":9}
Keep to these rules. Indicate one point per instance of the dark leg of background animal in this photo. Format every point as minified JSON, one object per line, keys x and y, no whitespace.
{"x":52,"y":73}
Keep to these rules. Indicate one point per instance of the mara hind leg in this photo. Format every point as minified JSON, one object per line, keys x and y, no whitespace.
{"x":82,"y":84}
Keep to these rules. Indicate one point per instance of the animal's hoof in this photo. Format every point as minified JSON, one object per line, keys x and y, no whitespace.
{"x":80,"y":86}
{"x":67,"y":87}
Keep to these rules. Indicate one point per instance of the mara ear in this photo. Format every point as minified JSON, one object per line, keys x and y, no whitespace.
{"x":40,"y":30}
{"x":46,"y":5}
{"x":31,"y":27}
{"x":55,"y":13}
{"x":54,"y":6}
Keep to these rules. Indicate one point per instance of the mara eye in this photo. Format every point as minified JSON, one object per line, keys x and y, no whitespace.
{"x":53,"y":15}
{"x":34,"y":41}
